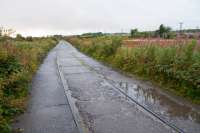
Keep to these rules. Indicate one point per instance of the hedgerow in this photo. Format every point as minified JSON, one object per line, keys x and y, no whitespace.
{"x":18,"y":62}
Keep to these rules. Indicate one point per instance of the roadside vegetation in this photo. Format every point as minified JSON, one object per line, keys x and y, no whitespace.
{"x":176,"y":67}
{"x":19,"y":60}
{"x":163,"y":32}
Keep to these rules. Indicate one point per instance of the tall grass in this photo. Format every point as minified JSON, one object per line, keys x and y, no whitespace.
{"x":175,"y":66}
{"x":18,"y":62}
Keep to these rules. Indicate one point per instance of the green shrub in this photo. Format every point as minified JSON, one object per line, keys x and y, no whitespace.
{"x":177,"y":66}
{"x":18,"y":62}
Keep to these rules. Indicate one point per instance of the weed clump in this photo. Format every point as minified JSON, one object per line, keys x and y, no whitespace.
{"x":176,"y":66}
{"x":19,"y":59}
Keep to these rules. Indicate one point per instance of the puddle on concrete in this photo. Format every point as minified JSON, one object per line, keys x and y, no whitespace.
{"x":174,"y":111}
{"x":183,"y":116}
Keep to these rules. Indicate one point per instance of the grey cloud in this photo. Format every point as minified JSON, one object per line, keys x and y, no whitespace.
{"x":38,"y":17}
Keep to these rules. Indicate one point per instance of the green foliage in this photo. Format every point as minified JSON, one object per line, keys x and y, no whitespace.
{"x":145,"y":34}
{"x":9,"y":64}
{"x":134,"y":33}
{"x":87,"y":35}
{"x":18,"y":62}
{"x":164,"y":32}
{"x":29,"y":38}
{"x":176,"y":66}
{"x":5,"y":38}
{"x":19,"y":37}
{"x":102,"y":47}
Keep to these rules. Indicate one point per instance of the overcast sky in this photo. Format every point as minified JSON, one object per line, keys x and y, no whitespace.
{"x":44,"y":17}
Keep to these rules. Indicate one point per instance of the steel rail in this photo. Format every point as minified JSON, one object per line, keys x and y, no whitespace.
{"x":75,"y":113}
{"x":167,"y":123}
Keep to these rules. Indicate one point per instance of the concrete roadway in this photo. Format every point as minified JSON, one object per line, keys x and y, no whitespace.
{"x":100,"y":107}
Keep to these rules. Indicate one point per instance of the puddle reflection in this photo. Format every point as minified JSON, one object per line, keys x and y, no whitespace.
{"x":159,"y":103}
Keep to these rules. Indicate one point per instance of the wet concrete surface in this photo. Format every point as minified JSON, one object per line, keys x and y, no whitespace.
{"x":103,"y":108}
{"x":48,"y":109}
{"x":175,"y":110}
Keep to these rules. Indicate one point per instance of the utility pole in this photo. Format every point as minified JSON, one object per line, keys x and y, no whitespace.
{"x":181,"y":26}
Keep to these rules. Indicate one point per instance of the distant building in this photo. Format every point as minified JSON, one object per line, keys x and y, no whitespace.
{"x":6,"y":32}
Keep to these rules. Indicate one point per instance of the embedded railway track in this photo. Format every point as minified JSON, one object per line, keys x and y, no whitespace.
{"x":111,"y":82}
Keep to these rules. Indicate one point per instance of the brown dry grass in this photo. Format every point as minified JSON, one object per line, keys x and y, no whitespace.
{"x":162,"y":42}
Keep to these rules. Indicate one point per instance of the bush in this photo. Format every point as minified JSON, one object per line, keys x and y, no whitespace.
{"x":19,"y":37}
{"x":29,"y":38}
{"x":18,"y":62}
{"x":176,"y":66}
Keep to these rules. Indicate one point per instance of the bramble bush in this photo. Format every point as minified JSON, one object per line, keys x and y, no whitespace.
{"x":175,"y":66}
{"x":19,"y":59}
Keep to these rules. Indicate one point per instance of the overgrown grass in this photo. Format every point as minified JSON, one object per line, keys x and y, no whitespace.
{"x":176,"y":67}
{"x":18,"y":62}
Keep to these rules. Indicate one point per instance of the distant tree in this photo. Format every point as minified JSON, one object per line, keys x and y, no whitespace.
{"x":58,"y":37}
{"x":88,"y":35}
{"x":19,"y":37}
{"x":134,"y":33}
{"x":29,"y":38}
{"x":163,"y":31}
